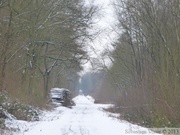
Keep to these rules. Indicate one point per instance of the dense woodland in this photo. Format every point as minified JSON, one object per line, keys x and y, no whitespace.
{"x":144,"y":78}
{"x":42,"y":45}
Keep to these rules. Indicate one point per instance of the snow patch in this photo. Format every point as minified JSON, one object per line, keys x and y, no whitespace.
{"x":90,"y":98}
{"x":85,"y":118}
{"x":82,"y":100}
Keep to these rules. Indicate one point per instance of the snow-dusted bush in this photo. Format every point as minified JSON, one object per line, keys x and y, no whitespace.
{"x":16,"y":110}
{"x":21,"y":111}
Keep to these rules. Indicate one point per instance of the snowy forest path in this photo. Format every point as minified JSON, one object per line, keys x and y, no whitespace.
{"x":86,"y":118}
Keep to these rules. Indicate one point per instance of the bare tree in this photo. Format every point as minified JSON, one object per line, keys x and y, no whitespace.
{"x":41,"y":41}
{"x":146,"y":59}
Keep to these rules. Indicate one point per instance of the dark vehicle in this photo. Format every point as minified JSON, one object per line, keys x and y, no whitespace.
{"x":61,"y":95}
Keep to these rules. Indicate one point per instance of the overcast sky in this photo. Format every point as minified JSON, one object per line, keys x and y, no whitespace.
{"x":105,"y":22}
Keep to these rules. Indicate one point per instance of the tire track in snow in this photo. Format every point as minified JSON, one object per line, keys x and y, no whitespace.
{"x":83,"y":119}
{"x":76,"y":122}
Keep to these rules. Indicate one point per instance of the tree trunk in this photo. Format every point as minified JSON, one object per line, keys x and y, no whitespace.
{"x":2,"y":74}
{"x":5,"y":48}
{"x":46,"y":84}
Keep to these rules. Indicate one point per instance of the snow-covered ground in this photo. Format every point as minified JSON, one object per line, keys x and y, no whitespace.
{"x":86,"y":118}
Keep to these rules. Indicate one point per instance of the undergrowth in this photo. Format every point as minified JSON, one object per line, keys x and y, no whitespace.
{"x":14,"y":109}
{"x":149,"y":120}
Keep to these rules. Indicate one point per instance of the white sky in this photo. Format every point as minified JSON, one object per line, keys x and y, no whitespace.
{"x":104,"y":23}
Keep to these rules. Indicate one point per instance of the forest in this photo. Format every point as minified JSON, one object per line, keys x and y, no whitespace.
{"x":43,"y":45}
{"x":144,"y":78}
